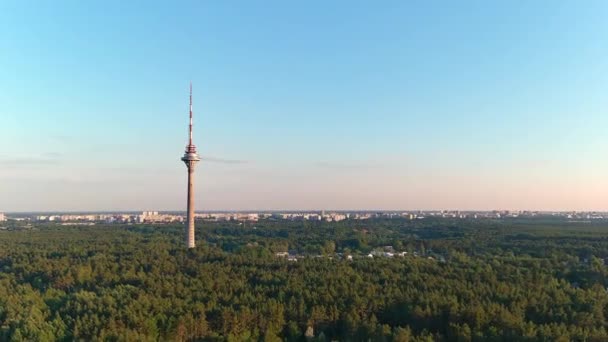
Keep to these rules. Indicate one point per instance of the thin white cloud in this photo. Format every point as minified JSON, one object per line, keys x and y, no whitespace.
{"x":224,"y":161}
{"x":346,"y":165}
{"x":46,"y":159}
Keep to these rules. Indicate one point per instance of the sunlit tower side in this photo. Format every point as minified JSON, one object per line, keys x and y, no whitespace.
{"x":190,"y":158}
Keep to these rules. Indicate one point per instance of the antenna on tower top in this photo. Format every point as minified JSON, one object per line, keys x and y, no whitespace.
{"x":190,"y":113}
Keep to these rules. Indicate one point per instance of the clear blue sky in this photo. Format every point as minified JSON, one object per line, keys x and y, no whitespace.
{"x":304,"y":105}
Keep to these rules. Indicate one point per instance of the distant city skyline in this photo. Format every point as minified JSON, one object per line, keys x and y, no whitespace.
{"x":305,"y":106}
{"x":329,"y":216}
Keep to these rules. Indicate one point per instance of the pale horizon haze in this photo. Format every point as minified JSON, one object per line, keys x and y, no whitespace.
{"x":385,"y":105}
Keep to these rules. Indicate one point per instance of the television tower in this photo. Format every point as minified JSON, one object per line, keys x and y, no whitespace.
{"x":190,"y":158}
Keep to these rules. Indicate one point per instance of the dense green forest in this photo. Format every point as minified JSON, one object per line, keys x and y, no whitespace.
{"x":462,"y":280}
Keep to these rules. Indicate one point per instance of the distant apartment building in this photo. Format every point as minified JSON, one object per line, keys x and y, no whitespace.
{"x":334,"y":217}
{"x":154,"y":216}
{"x":2,"y":217}
{"x":312,"y":217}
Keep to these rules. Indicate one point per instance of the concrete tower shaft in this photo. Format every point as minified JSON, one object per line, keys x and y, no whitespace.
{"x":190,"y":158}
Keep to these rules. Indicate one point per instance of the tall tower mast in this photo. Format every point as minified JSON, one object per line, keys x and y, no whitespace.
{"x":190,"y":158}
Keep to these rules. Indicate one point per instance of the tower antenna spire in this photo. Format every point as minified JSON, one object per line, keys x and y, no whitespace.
{"x":190,"y":142}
